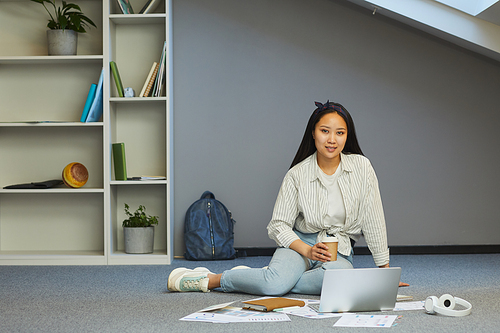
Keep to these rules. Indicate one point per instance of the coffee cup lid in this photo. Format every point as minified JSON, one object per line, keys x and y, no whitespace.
{"x":328,"y":238}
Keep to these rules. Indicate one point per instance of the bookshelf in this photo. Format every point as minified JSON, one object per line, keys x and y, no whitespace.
{"x":40,"y":133}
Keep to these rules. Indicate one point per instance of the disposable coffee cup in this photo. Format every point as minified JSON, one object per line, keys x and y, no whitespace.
{"x":333,"y":243}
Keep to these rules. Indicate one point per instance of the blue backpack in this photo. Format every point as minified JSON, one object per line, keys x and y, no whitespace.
{"x":208,"y":230}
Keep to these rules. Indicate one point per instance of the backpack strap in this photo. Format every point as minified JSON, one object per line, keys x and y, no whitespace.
{"x":207,"y":195}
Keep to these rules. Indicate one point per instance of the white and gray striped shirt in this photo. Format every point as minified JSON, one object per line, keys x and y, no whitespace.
{"x":302,"y":204}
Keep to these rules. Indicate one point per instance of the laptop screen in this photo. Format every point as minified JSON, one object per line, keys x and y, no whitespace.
{"x":359,"y":289}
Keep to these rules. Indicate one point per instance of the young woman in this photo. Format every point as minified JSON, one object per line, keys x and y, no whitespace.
{"x":330,"y":189}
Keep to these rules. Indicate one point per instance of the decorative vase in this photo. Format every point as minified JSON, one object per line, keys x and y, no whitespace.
{"x":62,"y":42}
{"x":139,"y":240}
{"x":75,"y":175}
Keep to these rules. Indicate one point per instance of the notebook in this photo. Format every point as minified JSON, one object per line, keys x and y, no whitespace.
{"x":359,"y":289}
{"x":272,"y":303}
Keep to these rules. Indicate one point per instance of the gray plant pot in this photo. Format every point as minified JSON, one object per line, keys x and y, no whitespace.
{"x":62,"y":42}
{"x":139,"y":240}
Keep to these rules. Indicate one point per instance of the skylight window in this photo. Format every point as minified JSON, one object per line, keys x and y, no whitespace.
{"x":470,"y":7}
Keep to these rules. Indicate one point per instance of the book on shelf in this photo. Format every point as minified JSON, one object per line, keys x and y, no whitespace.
{"x":160,"y":77}
{"x":88,"y":102}
{"x":119,"y":161}
{"x":151,"y":81}
{"x":34,"y":122}
{"x":125,"y":6}
{"x":147,"y":178}
{"x":116,"y":76}
{"x":95,"y":111}
{"x":149,"y":7}
{"x":146,"y":83}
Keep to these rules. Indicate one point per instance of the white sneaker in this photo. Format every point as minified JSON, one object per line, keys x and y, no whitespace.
{"x":202,"y":269}
{"x":184,"y":279}
{"x":245,"y":267}
{"x":240,"y":267}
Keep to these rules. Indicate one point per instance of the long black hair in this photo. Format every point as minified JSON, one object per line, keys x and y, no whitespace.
{"x":307,"y":146}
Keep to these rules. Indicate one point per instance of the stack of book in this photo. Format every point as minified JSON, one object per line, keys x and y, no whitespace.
{"x":154,"y":83}
{"x":92,"y":110}
{"x":126,"y":7}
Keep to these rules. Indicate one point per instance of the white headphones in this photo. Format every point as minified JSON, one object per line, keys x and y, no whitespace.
{"x":445,"y":305}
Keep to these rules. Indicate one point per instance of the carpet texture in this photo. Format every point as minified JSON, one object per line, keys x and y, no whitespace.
{"x":135,"y":299}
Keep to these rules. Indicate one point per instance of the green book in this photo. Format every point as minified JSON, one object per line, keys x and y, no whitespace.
{"x":118,"y":80}
{"x":119,"y":161}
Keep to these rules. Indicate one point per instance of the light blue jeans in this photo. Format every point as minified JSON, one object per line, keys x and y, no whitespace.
{"x":288,"y":272}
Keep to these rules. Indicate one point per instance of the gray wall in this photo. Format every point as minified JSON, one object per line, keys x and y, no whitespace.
{"x":247,"y":72}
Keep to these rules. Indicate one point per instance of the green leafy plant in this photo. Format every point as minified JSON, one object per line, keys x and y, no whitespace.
{"x":69,"y":17}
{"x":138,"y":219}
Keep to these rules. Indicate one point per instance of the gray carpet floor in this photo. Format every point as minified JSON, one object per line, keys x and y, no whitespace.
{"x":135,"y":299}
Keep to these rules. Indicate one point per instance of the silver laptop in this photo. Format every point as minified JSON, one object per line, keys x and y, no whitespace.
{"x":359,"y":289}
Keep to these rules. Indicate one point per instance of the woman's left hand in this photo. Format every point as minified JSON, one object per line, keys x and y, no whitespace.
{"x":320,"y":252}
{"x":401,"y":284}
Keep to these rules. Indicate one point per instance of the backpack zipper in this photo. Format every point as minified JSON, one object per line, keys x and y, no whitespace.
{"x":209,"y":215}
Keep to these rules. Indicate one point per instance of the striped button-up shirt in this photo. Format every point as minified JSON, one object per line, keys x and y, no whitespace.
{"x":302,"y":204}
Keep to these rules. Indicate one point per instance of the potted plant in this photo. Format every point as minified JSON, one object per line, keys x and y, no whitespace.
{"x":67,"y":21}
{"x":138,"y":230}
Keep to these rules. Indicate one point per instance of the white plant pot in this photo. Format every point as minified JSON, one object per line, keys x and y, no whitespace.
{"x":62,"y":42}
{"x":139,"y":240}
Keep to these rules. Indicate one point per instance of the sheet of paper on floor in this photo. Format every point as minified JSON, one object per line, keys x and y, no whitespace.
{"x":307,"y":312}
{"x":223,"y":313}
{"x":405,"y":306}
{"x":366,"y":321}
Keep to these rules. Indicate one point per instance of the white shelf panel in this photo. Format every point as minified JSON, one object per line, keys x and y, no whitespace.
{"x":138,"y":182}
{"x":52,"y":258}
{"x":138,"y":18}
{"x":137,"y":99}
{"x":52,"y":191}
{"x":50,"y":124}
{"x":35,"y":60}
{"x":51,"y":254}
{"x":158,"y":257}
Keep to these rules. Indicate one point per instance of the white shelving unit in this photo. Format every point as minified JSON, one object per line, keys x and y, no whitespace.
{"x":40,"y":133}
